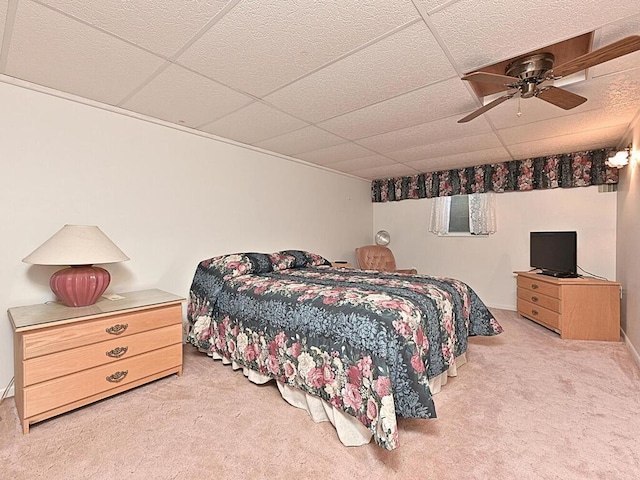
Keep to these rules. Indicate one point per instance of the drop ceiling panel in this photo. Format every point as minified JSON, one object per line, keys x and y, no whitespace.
{"x":608,"y":93}
{"x":580,"y":123}
{"x":336,"y":153}
{"x":503,"y":29}
{"x":181,"y":96}
{"x":254,"y":123}
{"x":395,"y":170}
{"x":450,"y":147}
{"x":262,"y":45}
{"x":48,"y":48}
{"x":424,"y":134}
{"x":461,"y":160}
{"x":436,"y":101}
{"x":606,"y":137}
{"x":160,"y":26}
{"x":300,"y":141}
{"x":611,"y":33}
{"x":399,"y":63}
{"x":363,"y":163}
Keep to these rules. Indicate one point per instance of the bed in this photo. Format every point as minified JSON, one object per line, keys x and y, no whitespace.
{"x":356,"y":347}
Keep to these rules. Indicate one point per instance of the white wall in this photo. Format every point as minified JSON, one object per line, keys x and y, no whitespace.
{"x":627,"y":245}
{"x":487,"y":263}
{"x":167,"y":198}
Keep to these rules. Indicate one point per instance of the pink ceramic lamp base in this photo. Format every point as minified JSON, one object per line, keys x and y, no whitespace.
{"x":79,"y":286}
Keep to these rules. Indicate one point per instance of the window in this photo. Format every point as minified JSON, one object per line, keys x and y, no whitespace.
{"x":463,"y":215}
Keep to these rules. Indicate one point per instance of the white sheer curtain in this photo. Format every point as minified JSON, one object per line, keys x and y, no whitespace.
{"x":482,"y":213}
{"x":440,"y":209}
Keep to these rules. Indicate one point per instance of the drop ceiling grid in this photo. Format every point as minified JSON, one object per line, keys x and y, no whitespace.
{"x":461,"y":160}
{"x":44,"y":44}
{"x":261,"y":45}
{"x":254,"y":123}
{"x":355,"y":164}
{"x":386,"y":171}
{"x":303,"y":140}
{"x":162,"y":26}
{"x":409,"y":59}
{"x":335,"y":153}
{"x":424,"y":134}
{"x":181,"y":96}
{"x":429,"y":103}
{"x":508,"y":28}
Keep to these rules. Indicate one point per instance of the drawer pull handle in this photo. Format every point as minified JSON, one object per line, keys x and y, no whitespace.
{"x":534,"y":286}
{"x":117,"y":352}
{"x":535,"y":312}
{"x":117,"y":329}
{"x":534,"y":299}
{"x":118,"y":376}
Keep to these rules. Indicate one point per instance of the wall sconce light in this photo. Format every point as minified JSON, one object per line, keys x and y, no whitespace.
{"x":80,"y":247}
{"x":619,"y":159}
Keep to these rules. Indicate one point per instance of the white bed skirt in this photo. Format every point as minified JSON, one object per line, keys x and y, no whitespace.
{"x":350,"y":431}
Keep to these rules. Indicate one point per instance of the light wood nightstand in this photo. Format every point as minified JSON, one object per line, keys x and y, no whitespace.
{"x":341,"y":264}
{"x":68,"y":357}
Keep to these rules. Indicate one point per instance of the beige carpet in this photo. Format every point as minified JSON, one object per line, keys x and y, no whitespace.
{"x":527,"y":406}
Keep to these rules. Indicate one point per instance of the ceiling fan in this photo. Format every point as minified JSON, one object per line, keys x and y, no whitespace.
{"x":525,"y":75}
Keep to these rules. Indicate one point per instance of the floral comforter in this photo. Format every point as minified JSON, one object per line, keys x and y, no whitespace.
{"x":364,"y":341}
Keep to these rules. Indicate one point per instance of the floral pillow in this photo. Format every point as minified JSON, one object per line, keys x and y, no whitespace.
{"x":236,"y":264}
{"x":306,"y":259}
{"x":282,"y":261}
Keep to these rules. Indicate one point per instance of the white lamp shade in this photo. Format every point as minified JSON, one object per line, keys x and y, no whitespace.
{"x":77,"y":245}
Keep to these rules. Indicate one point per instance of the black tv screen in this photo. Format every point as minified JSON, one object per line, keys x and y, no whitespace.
{"x":554,"y":253}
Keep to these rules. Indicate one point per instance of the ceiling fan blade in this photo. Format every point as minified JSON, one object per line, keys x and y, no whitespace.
{"x":560,"y":97}
{"x":601,"y":55}
{"x":486,"y":77}
{"x":488,"y":106}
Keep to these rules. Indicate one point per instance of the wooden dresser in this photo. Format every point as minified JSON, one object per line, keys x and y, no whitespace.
{"x":577,"y":308}
{"x":67,"y":357}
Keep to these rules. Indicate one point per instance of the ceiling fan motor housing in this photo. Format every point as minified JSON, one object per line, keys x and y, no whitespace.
{"x":531,"y":71}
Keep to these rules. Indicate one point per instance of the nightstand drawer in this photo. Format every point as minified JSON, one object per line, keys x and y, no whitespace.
{"x":538,"y":286}
{"x":64,"y":390}
{"x":539,"y":314}
{"x":55,"y":339}
{"x":536,"y":298}
{"x":58,"y":364}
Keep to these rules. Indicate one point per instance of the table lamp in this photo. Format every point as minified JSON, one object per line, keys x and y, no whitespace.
{"x":80,"y":247}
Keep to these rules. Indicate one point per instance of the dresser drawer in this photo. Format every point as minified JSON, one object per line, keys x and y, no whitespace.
{"x":58,"y":364}
{"x":64,"y":390}
{"x":539,"y":314}
{"x":539,"y":286}
{"x":55,"y":339}
{"x":536,"y":298}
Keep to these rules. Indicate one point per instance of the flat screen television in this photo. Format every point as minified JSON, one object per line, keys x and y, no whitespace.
{"x":554,"y":253}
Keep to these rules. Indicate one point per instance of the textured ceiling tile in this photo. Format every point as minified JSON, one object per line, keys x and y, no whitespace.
{"x":424,"y":134}
{"x":344,"y":151}
{"x":450,"y":147}
{"x":50,"y":49}
{"x":420,"y":106}
{"x":608,"y":93}
{"x":261,"y":44}
{"x":569,"y":124}
{"x":399,"y":63}
{"x":461,"y":160}
{"x":611,"y":33}
{"x":502,"y":29}
{"x":363,"y":163}
{"x":160,"y":26}
{"x":181,"y":96}
{"x":388,"y":171}
{"x":254,"y":123}
{"x":606,"y":137}
{"x":303,"y":140}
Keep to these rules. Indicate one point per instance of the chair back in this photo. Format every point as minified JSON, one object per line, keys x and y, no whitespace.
{"x":376,"y":257}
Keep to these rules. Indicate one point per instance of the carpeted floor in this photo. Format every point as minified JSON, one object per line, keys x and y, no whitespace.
{"x":528,"y":405}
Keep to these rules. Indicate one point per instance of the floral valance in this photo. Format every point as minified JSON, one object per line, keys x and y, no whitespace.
{"x":579,"y":169}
